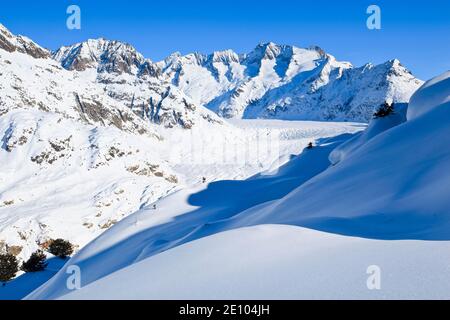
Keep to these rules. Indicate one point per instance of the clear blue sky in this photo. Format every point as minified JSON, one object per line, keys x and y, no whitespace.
{"x":416,"y":32}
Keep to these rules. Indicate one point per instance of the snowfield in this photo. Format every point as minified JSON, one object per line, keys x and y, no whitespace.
{"x":281,"y":262}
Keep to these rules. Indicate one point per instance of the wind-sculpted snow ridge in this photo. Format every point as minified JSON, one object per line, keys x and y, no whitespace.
{"x":433,"y":94}
{"x":392,"y":186}
{"x":376,"y":126}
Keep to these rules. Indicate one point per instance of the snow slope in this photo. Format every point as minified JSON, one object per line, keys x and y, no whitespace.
{"x":376,"y":126}
{"x":392,"y":187}
{"x":27,"y":282}
{"x":432,"y":94}
{"x":281,"y":262}
{"x":60,"y":178}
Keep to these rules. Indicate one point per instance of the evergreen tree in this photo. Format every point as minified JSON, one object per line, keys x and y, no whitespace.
{"x":61,"y":248}
{"x":385,"y":110}
{"x":35,"y":263}
{"x":8,"y":267}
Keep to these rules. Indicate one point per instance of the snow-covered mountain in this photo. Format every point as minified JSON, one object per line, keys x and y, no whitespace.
{"x":272,"y":81}
{"x":110,"y":96}
{"x":104,"y":55}
{"x":12,"y":43}
{"x":286,"y":82}
{"x":334,"y":92}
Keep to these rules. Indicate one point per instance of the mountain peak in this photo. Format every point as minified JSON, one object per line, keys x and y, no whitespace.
{"x":395,"y":61}
{"x":105,"y":55}
{"x":268,"y":45}
{"x":13,"y":43}
{"x":270,"y":49}
{"x":319,"y":50}
{"x":225,"y":56}
{"x":395,"y":68}
{"x":267,"y":51}
{"x":175,"y":55}
{"x":4,"y":30}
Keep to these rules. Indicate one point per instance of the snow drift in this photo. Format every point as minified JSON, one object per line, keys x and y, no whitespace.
{"x":434,"y":93}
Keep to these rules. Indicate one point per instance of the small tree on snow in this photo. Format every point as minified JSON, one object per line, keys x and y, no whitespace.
{"x":61,"y":248}
{"x":385,"y":110}
{"x":8,"y":267}
{"x":35,"y":263}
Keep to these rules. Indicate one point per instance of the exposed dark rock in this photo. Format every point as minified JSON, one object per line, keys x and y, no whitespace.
{"x":12,"y":43}
{"x":149,"y":69}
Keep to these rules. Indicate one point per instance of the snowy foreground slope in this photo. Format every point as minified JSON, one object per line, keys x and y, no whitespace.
{"x":281,"y":262}
{"x":388,"y":185}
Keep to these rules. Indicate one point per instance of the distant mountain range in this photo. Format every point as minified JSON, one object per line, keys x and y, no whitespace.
{"x":272,"y":81}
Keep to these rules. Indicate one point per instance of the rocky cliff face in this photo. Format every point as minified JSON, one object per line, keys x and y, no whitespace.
{"x":13,"y":43}
{"x":106,"y":56}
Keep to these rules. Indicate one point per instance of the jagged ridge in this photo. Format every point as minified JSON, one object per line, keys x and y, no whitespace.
{"x":272,"y":81}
